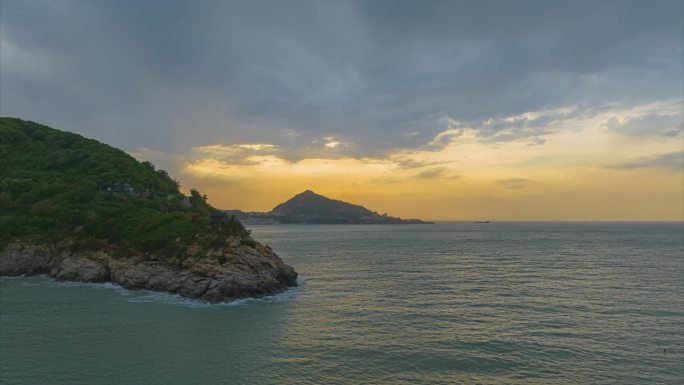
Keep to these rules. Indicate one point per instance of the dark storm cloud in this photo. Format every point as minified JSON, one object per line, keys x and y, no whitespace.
{"x":378,"y":75}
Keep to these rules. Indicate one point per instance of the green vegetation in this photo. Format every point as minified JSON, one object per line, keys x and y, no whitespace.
{"x":57,"y":186}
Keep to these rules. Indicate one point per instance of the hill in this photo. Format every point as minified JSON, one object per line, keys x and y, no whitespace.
{"x":76,"y":197}
{"x":311,"y":208}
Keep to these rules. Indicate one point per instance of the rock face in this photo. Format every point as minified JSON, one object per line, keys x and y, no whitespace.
{"x":240,"y":271}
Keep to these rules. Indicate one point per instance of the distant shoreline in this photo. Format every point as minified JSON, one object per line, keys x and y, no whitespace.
{"x":255,"y":223}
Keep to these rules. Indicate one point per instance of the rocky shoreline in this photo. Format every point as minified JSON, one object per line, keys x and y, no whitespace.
{"x":241,"y":271}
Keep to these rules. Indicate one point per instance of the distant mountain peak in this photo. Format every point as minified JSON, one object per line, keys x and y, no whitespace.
{"x":309,"y":207}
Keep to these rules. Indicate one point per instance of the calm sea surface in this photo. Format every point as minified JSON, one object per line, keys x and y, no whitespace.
{"x":433,"y":304}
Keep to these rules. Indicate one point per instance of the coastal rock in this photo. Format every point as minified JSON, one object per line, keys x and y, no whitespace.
{"x":159,"y":239}
{"x":17,"y":259}
{"x":243,"y":271}
{"x":131,"y":275}
{"x":80,"y":269}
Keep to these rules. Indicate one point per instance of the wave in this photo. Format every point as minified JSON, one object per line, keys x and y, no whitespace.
{"x":146,"y":296}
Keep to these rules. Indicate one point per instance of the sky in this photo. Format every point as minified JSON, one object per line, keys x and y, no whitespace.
{"x":441,"y":110}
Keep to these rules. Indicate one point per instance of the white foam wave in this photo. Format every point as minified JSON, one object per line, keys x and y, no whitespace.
{"x":148,"y":296}
{"x":6,"y":278}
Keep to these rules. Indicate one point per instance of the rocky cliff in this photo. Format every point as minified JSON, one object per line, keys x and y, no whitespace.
{"x":81,"y":210}
{"x":224,"y":274}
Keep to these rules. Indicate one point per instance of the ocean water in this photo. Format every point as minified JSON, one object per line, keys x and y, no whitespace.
{"x":497,"y":303}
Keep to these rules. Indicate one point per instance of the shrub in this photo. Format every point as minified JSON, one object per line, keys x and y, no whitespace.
{"x":248,"y":242}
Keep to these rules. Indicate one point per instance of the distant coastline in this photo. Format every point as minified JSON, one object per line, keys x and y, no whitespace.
{"x":310,"y":208}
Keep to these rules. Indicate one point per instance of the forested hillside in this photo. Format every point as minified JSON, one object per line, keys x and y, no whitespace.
{"x":57,"y":186}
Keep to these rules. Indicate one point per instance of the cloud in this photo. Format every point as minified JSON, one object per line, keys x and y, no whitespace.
{"x":332,"y":143}
{"x":145,"y":153}
{"x":231,"y":149}
{"x":672,"y":161}
{"x":436,"y":173}
{"x":234,"y":154}
{"x":28,"y":62}
{"x":408,"y":161}
{"x":380,"y":75}
{"x":536,"y":142}
{"x":530,"y":125}
{"x":659,"y":119}
{"x":432,"y":173}
{"x":664,"y":119}
{"x":514,"y":183}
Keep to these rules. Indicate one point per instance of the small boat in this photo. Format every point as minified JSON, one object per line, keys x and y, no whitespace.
{"x":481,"y":221}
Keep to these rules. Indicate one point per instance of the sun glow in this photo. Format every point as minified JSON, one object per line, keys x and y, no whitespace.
{"x":563,"y":163}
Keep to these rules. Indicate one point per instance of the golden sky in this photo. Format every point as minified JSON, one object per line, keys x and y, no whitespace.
{"x":581,"y":168}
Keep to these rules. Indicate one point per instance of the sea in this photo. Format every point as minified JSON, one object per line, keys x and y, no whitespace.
{"x":449,"y":303}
